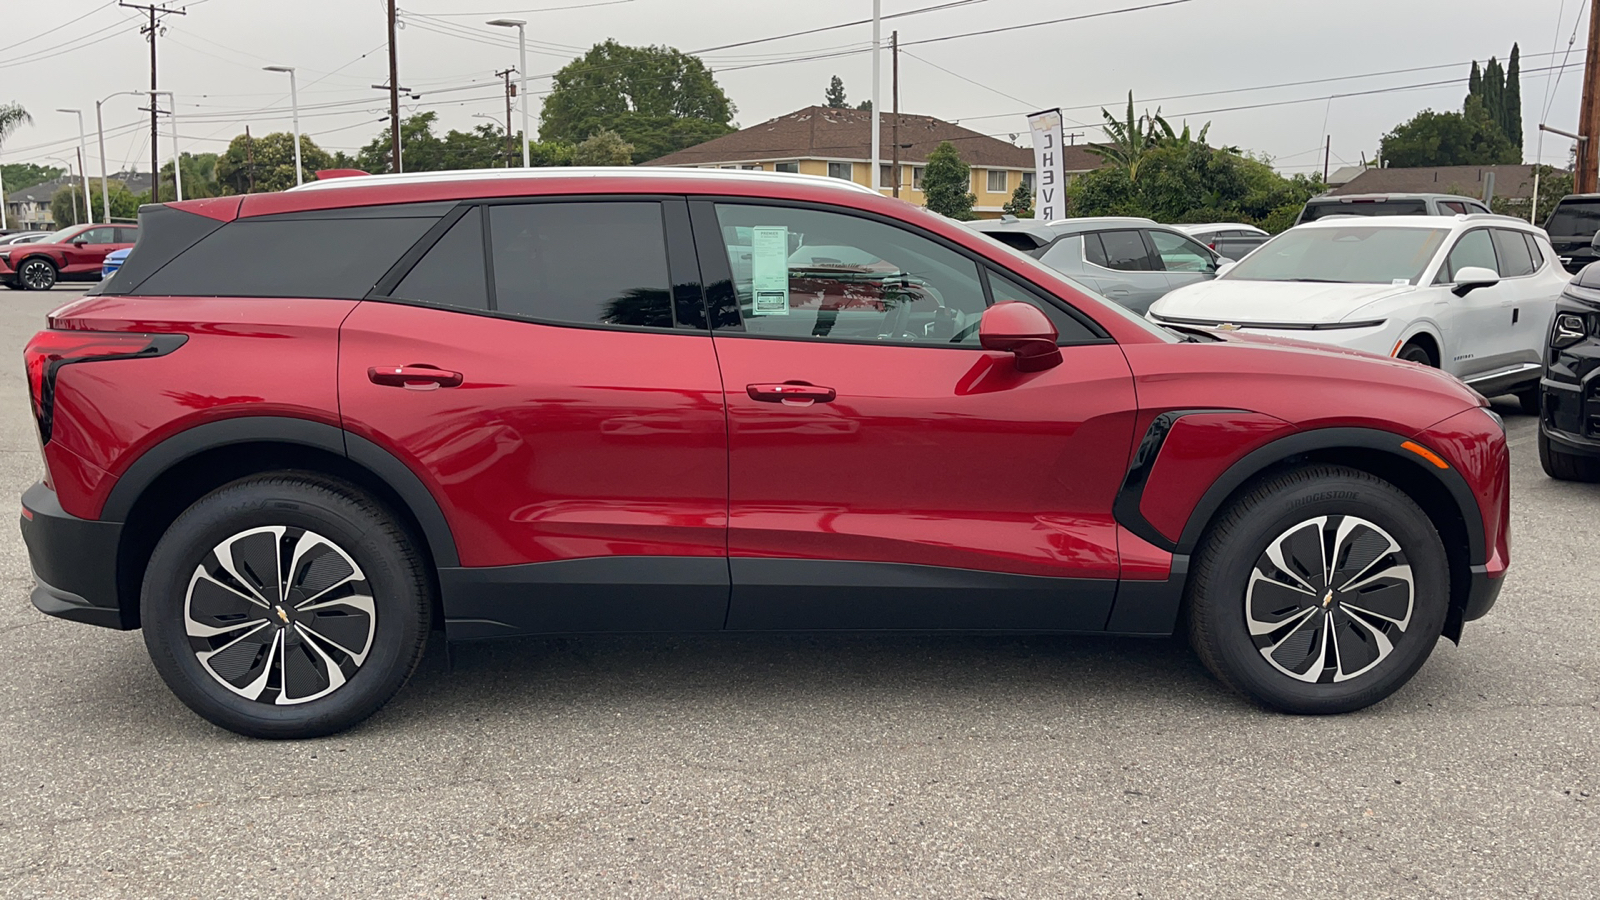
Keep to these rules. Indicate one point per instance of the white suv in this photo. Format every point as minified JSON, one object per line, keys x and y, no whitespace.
{"x":1470,"y":294}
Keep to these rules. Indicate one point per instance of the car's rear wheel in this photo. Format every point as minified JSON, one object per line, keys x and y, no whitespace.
{"x":1566,"y":466}
{"x":1528,"y":399}
{"x":1322,"y":590}
{"x":37,"y":274}
{"x":1415,"y":352}
{"x":286,"y":605}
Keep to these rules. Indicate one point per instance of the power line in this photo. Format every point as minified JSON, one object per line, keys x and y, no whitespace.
{"x":522,"y":12}
{"x":59,"y":27}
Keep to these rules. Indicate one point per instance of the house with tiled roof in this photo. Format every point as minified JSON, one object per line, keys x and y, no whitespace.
{"x":29,"y":208}
{"x":1511,"y":181}
{"x":820,"y":140}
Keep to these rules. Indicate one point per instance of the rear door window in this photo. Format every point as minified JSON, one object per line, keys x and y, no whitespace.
{"x":1124,"y":251}
{"x":1574,"y":218}
{"x":127,"y":235}
{"x":1512,"y":252}
{"x":602,"y":263}
{"x":452,"y":273}
{"x":290,"y":256}
{"x":1453,"y":206}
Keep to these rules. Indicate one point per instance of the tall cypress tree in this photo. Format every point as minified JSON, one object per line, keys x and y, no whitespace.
{"x":1513,"y":98}
{"x":1494,"y":83}
{"x":1475,"y":81}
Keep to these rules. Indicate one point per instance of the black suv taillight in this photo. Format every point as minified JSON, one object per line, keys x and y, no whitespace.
{"x":50,"y":350}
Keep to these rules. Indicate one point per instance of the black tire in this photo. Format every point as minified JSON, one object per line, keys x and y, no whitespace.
{"x":1528,"y":398}
{"x":1241,"y":624}
{"x":335,"y":532}
{"x":1414,"y":352}
{"x":1567,"y":466}
{"x":36,"y":274}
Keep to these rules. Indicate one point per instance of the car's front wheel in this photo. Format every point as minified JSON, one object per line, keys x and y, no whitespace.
{"x":286,"y":605}
{"x":1322,"y":590}
{"x":1566,"y":466}
{"x":37,"y":275}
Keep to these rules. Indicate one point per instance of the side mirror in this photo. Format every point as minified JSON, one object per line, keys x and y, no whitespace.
{"x":80,"y":244}
{"x":1594,"y":242}
{"x":1020,"y":329}
{"x":1471,"y":278}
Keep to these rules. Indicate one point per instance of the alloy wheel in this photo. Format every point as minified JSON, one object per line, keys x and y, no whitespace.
{"x":1329,"y":598}
{"x":279,"y":615}
{"x":38,"y":275}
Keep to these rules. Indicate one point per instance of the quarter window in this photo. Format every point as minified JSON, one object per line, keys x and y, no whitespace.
{"x":1513,"y":254}
{"x":582,"y":263}
{"x":1534,"y":252}
{"x":997,"y":181}
{"x":1121,"y":250}
{"x":805,"y":273}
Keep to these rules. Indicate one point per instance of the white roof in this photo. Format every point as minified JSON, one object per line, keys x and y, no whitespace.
{"x":1458,"y":221}
{"x":689,"y":175}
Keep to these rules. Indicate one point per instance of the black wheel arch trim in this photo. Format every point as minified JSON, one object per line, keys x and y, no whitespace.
{"x":1283,"y":448}
{"x":287,"y":430}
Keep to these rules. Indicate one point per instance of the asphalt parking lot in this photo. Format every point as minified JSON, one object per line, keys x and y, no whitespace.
{"x":819,"y":766}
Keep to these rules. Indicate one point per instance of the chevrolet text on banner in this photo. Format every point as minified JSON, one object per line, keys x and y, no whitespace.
{"x":1050,"y":175}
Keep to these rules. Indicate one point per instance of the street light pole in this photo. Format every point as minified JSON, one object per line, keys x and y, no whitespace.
{"x":100,"y":137}
{"x":294,"y":111}
{"x":83,"y":170}
{"x":172,"y":119}
{"x":522,"y":75}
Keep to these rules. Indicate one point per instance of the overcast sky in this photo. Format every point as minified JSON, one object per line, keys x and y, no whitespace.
{"x":1196,"y":59}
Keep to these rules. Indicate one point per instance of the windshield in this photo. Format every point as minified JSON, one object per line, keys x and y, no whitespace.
{"x":1349,"y":254}
{"x":1575,"y":217}
{"x":57,"y":237}
{"x":1315,"y":211}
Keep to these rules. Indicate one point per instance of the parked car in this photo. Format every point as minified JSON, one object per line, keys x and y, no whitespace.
{"x":1130,"y":260}
{"x":1572,"y":227}
{"x":1569,"y":422}
{"x":1227,"y":240}
{"x":1389,"y":205}
{"x":71,"y":254}
{"x":1471,"y":295}
{"x":22,"y":237}
{"x":113,"y":262}
{"x":512,"y":402}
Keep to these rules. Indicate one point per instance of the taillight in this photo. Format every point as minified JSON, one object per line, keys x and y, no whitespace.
{"x":50,"y":350}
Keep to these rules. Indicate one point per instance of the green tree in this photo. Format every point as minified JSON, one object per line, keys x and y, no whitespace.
{"x":20,"y":176}
{"x":865,"y":105}
{"x":656,"y":98}
{"x":551,"y":153}
{"x":484,"y":147}
{"x":603,"y":148}
{"x":12,"y":117}
{"x":1129,"y":138}
{"x":947,"y":183}
{"x":266,"y":163}
{"x":199,"y":175}
{"x":834,"y":95}
{"x":420,"y":149}
{"x":66,"y":204}
{"x":1467,"y":138}
{"x":1499,"y":90}
{"x":1190,"y":181}
{"x":1021,"y":202}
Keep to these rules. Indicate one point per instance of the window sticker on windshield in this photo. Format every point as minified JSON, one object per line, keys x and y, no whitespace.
{"x":1401,"y":282}
{"x":769,"y":270}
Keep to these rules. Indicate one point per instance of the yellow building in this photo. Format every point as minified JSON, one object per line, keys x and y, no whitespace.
{"x":819,"y":140}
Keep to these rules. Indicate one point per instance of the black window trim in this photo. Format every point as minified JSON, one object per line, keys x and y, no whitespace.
{"x":1501,"y":263}
{"x":716,"y":275}
{"x":680,"y":251}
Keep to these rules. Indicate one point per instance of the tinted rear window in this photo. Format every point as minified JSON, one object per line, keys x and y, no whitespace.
{"x":1574,"y":217}
{"x":334,"y":258}
{"x":599,"y":263}
{"x":1315,"y":211}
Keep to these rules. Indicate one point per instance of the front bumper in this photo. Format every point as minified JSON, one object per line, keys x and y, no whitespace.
{"x":1483,"y":591}
{"x":1569,"y":405}
{"x":74,"y":562}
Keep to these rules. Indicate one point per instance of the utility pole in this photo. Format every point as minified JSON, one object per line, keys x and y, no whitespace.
{"x":394,"y":97}
{"x":894,"y":91}
{"x":511,"y":91}
{"x":1589,"y":113}
{"x":250,"y":158}
{"x":1072,"y":139}
{"x":151,"y":32}
{"x":1327,"y":150}
{"x":877,"y":102}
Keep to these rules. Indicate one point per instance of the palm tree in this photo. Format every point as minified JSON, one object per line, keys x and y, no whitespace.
{"x":12,"y":117}
{"x":1131,"y":138}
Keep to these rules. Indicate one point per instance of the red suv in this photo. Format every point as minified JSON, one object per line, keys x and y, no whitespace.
{"x":71,"y":254}
{"x":298,"y":431}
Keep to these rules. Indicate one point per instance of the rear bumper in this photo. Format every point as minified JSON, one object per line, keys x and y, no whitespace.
{"x":74,"y":562}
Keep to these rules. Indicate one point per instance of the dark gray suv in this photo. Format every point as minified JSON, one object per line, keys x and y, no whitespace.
{"x":1134,"y":262}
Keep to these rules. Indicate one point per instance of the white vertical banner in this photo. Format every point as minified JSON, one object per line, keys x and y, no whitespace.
{"x":1049,"y":175}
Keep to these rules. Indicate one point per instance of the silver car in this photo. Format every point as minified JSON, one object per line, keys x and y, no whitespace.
{"x":1132,"y":261}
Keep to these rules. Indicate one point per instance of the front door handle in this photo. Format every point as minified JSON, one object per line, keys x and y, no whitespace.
{"x":1118,"y":292}
{"x":791,"y":393}
{"x":419,"y":377}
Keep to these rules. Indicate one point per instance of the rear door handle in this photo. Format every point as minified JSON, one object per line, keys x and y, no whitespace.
{"x":418,"y":377}
{"x":791,"y":393}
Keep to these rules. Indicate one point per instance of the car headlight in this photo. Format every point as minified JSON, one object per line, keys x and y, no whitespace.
{"x":5,"y":258}
{"x":1568,"y":329}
